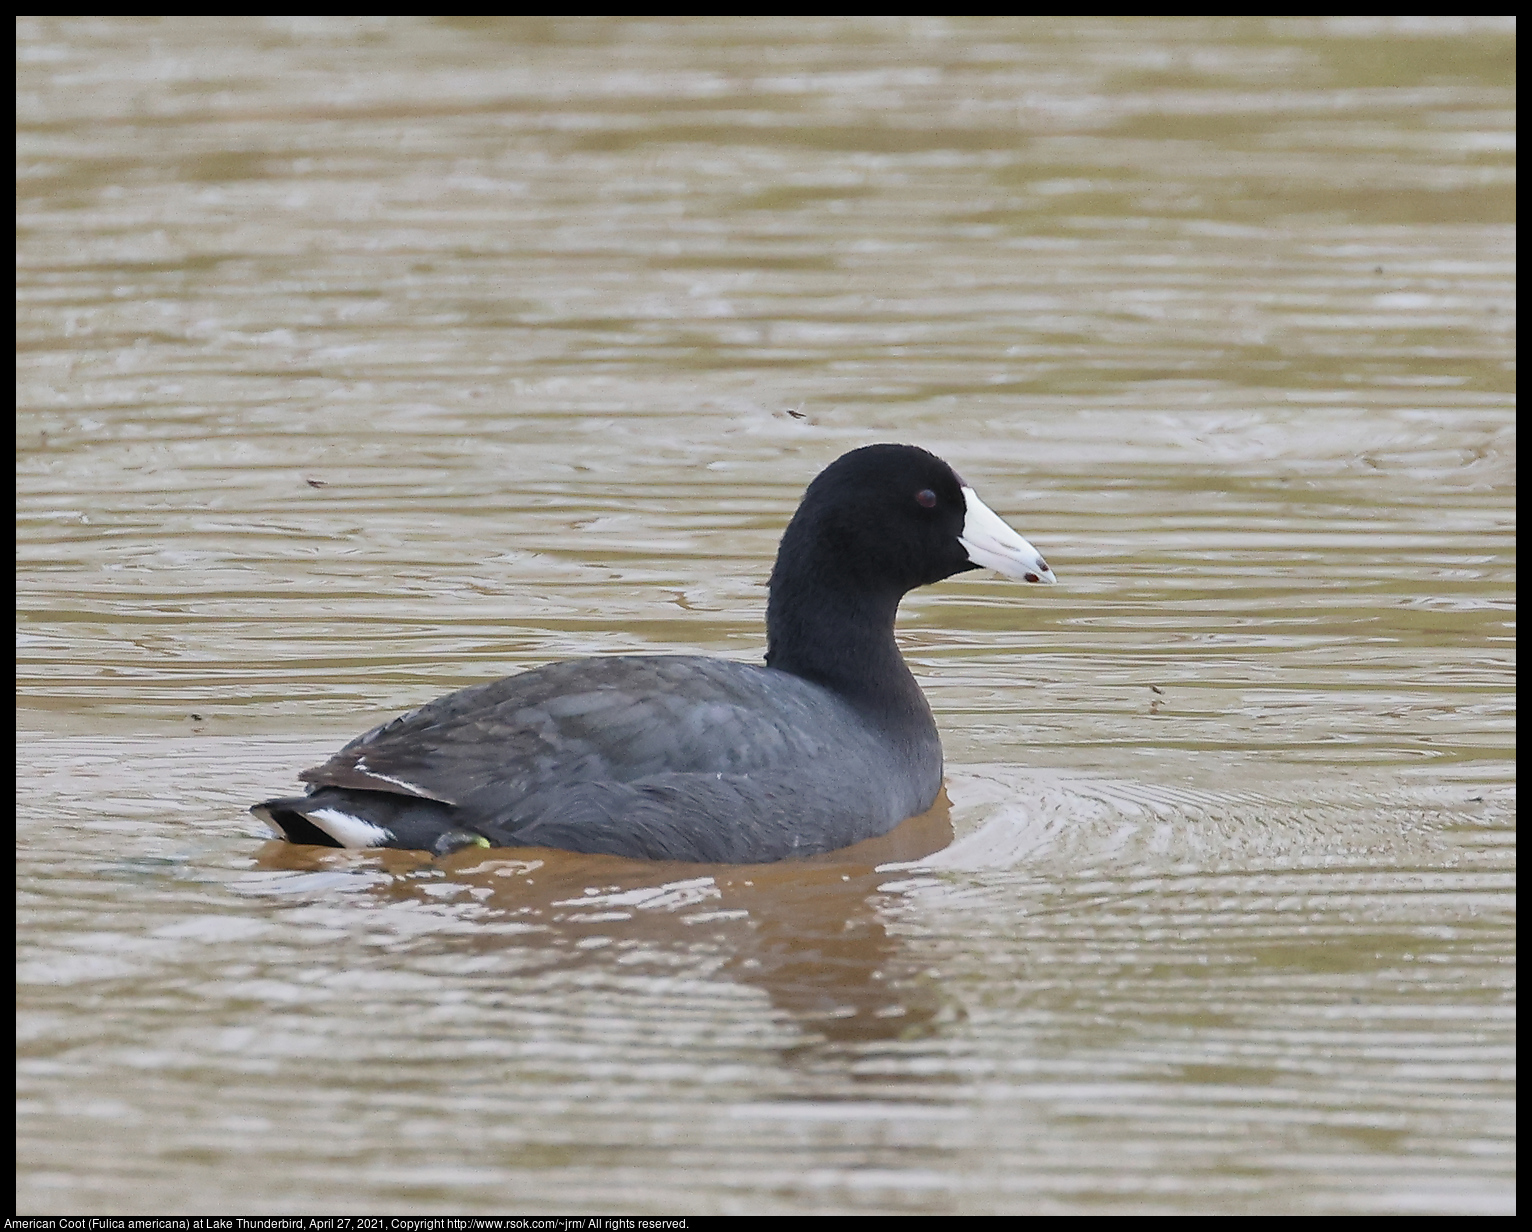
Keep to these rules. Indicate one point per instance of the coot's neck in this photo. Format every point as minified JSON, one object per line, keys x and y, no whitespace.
{"x":834,"y":631}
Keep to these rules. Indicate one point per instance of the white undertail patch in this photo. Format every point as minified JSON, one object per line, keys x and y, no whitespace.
{"x":349,"y":830}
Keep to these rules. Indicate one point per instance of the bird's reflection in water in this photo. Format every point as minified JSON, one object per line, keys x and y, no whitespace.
{"x":809,"y":933}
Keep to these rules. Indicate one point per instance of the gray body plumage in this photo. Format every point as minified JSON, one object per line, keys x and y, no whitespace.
{"x":663,"y":757}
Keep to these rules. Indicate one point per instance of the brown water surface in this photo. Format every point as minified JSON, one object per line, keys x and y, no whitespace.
{"x":361,"y":359}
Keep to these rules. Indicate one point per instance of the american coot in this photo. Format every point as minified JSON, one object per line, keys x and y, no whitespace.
{"x":680,"y":757}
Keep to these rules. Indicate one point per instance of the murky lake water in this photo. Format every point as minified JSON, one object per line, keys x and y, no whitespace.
{"x":364,"y":359}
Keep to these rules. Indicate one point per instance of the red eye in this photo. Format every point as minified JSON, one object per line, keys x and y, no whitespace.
{"x":926,"y":498}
